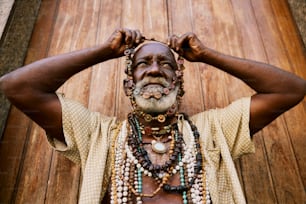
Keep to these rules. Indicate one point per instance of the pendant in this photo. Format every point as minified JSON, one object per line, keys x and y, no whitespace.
{"x":158,"y":147}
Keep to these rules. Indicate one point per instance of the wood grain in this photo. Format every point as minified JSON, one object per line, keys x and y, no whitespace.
{"x":181,"y":23}
{"x":288,"y":184}
{"x":31,"y":172}
{"x":12,"y":147}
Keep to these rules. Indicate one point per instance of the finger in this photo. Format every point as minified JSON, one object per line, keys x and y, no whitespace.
{"x":176,"y":45}
{"x":133,"y":37}
{"x":172,"y":41}
{"x":181,"y":40}
{"x":183,"y":43}
{"x":127,"y":37}
{"x":139,"y":37}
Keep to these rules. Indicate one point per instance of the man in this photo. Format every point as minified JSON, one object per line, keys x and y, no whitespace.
{"x":157,"y":154}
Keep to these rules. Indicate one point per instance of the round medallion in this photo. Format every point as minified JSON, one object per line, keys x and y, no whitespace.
{"x":148,"y":118}
{"x":158,"y":147}
{"x":161,"y":118}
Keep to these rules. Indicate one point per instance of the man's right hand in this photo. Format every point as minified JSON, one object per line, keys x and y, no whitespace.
{"x":121,"y":38}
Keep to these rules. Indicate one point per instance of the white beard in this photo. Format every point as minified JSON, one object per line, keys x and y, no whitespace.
{"x":153,"y":105}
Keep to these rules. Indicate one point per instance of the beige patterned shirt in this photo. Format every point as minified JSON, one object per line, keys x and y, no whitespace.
{"x":224,"y":134}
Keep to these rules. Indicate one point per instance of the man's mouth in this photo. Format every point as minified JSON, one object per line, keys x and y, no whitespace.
{"x":153,"y":85}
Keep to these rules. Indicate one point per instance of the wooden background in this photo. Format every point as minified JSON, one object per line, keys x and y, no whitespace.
{"x":263,"y":30}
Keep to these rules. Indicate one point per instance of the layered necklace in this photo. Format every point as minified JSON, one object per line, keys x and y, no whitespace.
{"x":132,"y":163}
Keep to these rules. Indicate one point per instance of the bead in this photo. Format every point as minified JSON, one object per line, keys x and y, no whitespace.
{"x":161,"y":118}
{"x":148,"y":118}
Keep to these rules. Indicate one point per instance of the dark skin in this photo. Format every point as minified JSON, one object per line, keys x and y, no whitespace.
{"x":32,"y":87}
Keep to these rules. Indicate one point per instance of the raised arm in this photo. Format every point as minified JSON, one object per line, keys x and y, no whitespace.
{"x":277,"y":90}
{"x":32,"y":88}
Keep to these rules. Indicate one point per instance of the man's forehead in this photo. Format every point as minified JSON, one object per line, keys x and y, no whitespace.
{"x":153,"y":48}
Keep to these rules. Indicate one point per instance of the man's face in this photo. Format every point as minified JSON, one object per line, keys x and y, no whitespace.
{"x":155,"y":60}
{"x":154,"y":71}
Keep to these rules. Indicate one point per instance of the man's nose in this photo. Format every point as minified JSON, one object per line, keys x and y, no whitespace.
{"x":154,"y":70}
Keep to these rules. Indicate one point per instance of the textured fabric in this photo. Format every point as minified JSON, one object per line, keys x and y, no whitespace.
{"x":224,"y":135}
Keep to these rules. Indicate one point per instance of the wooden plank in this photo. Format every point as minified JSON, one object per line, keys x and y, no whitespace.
{"x":64,"y":175}
{"x":288,"y":184}
{"x":290,"y":37}
{"x":39,"y":183}
{"x":133,"y":18}
{"x":255,"y":164}
{"x":34,"y":176}
{"x":155,"y":20}
{"x":104,"y":82}
{"x":192,"y":101}
{"x":295,"y":118}
{"x":226,"y":38}
{"x":64,"y":181}
{"x":11,"y":153}
{"x":42,"y":33}
{"x":204,"y":21}
{"x":21,"y":124}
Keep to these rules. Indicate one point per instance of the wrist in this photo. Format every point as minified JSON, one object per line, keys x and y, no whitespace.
{"x":104,"y":52}
{"x":208,"y":55}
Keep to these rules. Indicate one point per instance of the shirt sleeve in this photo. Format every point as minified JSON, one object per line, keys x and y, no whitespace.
{"x":234,"y":121}
{"x":229,"y":124}
{"x":77,"y":123}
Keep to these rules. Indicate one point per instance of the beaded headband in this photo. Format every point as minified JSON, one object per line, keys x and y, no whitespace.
{"x":130,"y":85}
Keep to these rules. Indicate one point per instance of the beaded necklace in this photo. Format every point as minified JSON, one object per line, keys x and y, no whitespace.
{"x":132,"y":163}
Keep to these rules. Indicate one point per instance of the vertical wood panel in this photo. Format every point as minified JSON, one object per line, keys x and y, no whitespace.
{"x":11,"y":153}
{"x":104,"y":83}
{"x":133,"y":18}
{"x":35,"y":172}
{"x":64,"y":175}
{"x":15,"y":142}
{"x":261,"y":189}
{"x":180,"y":21}
{"x":228,"y":42}
{"x":295,"y":118}
{"x":287,"y":181}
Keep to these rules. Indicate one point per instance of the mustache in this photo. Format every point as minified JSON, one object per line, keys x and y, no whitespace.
{"x":153,"y":80}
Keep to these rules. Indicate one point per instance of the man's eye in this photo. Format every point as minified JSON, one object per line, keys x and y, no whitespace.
{"x":141,"y":64}
{"x":167,"y":65}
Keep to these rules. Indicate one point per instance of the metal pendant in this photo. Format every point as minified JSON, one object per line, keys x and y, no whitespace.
{"x":158,"y":147}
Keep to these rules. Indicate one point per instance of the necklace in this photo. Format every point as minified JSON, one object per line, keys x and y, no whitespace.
{"x":131,"y":163}
{"x":155,"y":130}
